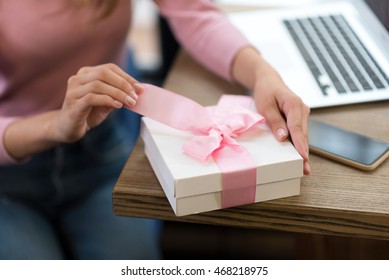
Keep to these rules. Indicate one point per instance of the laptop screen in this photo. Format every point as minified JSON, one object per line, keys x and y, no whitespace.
{"x":381,"y":9}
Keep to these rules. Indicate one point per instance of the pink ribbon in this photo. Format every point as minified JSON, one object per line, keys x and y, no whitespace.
{"x":215,"y":134}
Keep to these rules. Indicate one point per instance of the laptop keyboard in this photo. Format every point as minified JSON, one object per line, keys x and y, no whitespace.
{"x":335,"y":55}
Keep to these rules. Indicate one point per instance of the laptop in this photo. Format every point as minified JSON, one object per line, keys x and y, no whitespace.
{"x":329,"y":53}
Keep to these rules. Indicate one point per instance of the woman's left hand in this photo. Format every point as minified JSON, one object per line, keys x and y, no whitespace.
{"x":284,"y":111}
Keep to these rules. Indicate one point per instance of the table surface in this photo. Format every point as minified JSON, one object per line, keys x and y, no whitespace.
{"x":335,"y":199}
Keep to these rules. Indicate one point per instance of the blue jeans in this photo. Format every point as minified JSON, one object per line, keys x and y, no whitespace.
{"x":59,"y":204}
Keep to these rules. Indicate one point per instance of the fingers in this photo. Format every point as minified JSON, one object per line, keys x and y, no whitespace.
{"x":297,"y":113}
{"x":91,"y":96}
{"x":111,"y":80}
{"x":276,"y":121}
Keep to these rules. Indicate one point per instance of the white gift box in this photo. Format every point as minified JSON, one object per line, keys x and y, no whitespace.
{"x":193,"y":187}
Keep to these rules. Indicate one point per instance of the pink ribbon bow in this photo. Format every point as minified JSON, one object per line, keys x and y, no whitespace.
{"x":215,"y":134}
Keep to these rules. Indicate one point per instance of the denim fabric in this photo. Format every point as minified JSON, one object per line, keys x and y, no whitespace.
{"x":59,"y":204}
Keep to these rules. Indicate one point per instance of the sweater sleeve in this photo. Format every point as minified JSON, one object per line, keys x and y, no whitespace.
{"x":205,"y":32}
{"x":5,"y":158}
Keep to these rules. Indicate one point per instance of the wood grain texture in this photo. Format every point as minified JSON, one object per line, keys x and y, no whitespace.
{"x":334,"y":200}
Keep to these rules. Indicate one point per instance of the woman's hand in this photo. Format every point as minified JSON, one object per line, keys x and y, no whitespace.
{"x":284,"y":111}
{"x":91,"y":96}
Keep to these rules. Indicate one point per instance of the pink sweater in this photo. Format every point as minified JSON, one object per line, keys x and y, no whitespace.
{"x":44,"y":42}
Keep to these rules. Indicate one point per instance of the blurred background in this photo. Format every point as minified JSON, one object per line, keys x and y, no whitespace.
{"x":143,"y":37}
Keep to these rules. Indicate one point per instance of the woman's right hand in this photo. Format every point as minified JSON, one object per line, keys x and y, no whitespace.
{"x":91,"y":96}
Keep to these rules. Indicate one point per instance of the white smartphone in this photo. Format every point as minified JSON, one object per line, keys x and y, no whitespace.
{"x":347,"y":147}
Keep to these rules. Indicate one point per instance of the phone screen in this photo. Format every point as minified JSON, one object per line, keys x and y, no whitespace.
{"x":346,"y":146}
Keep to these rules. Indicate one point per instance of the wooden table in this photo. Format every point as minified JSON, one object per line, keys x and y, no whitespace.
{"x":335,"y":199}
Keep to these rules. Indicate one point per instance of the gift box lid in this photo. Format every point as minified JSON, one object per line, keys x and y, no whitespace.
{"x":185,"y":176}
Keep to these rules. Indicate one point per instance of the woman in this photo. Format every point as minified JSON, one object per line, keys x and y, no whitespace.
{"x":63,"y":143}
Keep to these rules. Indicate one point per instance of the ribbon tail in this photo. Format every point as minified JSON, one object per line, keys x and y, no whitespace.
{"x":172,"y":109}
{"x":238,"y":176}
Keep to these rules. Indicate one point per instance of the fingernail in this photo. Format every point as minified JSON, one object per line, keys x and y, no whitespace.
{"x":130,"y":101}
{"x":281,"y":133}
{"x":134,"y":95}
